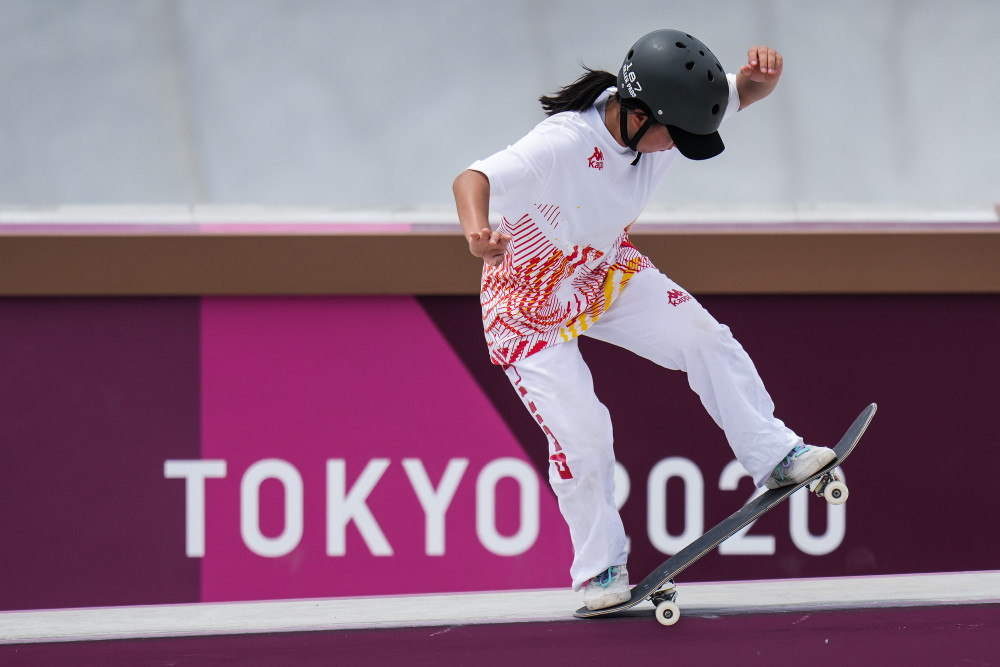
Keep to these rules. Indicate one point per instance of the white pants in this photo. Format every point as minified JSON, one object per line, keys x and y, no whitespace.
{"x":655,"y":319}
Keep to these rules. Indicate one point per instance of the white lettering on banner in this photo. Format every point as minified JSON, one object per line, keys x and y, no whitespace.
{"x":435,"y":503}
{"x":694,"y":506}
{"x":739,"y":544}
{"x":291,"y":534}
{"x":798,"y":524}
{"x":486,"y":529}
{"x":623,"y":485}
{"x":194,"y":474}
{"x":343,"y":507}
{"x":742,"y":544}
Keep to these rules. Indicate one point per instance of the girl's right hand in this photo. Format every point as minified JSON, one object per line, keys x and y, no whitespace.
{"x":490,"y":245}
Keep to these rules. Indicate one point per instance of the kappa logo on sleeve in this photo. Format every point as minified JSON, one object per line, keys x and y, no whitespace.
{"x":596,"y":160}
{"x":677,"y":297}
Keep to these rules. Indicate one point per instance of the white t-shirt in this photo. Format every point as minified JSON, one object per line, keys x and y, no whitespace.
{"x":567,"y":194}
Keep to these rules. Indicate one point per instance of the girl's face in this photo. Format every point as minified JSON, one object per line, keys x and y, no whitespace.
{"x":657,"y":138}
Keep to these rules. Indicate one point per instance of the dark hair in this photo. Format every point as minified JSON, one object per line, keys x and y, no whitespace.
{"x":580,"y":94}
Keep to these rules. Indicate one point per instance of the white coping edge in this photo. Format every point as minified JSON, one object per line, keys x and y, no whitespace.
{"x":449,"y":610}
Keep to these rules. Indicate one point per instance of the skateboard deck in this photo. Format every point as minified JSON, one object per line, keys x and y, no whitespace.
{"x":658,"y":586}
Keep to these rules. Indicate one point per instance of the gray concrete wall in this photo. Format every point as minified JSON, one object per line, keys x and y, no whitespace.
{"x":380,"y":103}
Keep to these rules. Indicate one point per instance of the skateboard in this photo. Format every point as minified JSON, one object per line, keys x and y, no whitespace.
{"x":659,"y":588}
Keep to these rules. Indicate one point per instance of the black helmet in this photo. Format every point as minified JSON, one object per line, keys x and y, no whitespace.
{"x":682,"y":85}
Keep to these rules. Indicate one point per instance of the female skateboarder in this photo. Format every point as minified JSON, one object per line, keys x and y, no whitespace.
{"x":559,"y":265}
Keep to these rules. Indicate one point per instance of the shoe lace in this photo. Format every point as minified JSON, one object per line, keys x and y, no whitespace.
{"x":797,"y":451}
{"x":605,"y":578}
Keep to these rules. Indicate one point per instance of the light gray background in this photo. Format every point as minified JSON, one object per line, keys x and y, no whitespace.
{"x":380,"y":103}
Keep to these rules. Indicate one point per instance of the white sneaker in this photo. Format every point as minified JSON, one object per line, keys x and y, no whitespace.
{"x":801,"y":463}
{"x":607,"y":589}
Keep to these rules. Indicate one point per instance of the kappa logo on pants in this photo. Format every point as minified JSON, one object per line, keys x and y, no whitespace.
{"x":677,"y":297}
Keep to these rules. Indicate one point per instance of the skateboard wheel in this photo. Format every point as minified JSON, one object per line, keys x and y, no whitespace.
{"x":667,"y":613}
{"x":835,"y":493}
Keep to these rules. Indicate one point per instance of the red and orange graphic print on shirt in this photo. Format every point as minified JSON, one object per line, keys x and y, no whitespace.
{"x":555,"y":294}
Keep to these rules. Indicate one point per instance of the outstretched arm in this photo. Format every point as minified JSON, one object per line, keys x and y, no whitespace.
{"x":472,"y":199}
{"x":759,"y":76}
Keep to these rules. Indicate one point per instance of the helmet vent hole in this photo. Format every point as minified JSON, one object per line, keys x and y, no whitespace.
{"x":631,"y":52}
{"x":689,"y":65}
{"x":702,"y":53}
{"x":715,"y":109}
{"x":711,"y":77}
{"x":680,"y":45}
{"x":719,"y":67}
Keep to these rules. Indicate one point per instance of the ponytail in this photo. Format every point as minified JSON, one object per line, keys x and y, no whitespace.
{"x":579,"y":95}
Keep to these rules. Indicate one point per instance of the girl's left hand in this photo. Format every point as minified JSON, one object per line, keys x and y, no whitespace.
{"x":764,"y":64}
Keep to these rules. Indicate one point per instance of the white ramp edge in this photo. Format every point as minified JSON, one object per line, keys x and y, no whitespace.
{"x":449,"y":610}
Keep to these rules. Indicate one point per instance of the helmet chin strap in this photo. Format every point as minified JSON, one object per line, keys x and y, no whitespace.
{"x":634,"y":141}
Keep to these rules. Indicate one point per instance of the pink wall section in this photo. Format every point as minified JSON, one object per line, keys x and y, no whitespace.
{"x":279,"y":379}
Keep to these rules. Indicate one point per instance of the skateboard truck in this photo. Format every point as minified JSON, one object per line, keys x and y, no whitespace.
{"x":831,"y":488}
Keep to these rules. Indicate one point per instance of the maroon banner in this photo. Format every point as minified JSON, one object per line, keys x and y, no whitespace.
{"x":94,"y":395}
{"x":158,"y":450}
